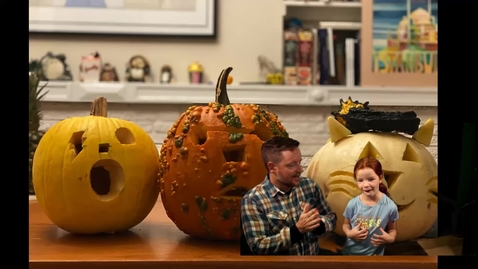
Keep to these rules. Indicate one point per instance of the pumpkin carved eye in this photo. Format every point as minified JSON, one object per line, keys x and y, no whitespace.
{"x":76,"y":142}
{"x":125,"y":136}
{"x":391,"y":177}
{"x":410,"y":155}
{"x":234,"y":153}
{"x":370,"y":151}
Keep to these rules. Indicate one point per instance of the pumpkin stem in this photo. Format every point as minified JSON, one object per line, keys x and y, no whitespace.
{"x":99,"y":107}
{"x":221,"y":91}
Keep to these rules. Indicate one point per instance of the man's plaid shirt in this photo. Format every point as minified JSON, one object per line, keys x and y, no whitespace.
{"x":267,"y":213}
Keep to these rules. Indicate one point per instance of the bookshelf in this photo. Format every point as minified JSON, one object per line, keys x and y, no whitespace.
{"x":333,"y":61}
{"x":322,"y":4}
{"x":311,"y":13}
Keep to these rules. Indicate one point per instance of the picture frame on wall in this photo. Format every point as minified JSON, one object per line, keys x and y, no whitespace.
{"x":186,"y":18}
{"x":399,"y":43}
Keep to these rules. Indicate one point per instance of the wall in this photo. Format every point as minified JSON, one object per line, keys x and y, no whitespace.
{"x":245,"y":31}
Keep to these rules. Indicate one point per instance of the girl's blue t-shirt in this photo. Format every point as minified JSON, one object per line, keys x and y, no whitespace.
{"x":371,"y":218}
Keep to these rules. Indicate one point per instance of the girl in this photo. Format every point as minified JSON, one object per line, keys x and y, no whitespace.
{"x":370,"y":219}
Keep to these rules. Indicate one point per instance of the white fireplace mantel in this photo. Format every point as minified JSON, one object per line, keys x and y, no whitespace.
{"x":151,"y":93}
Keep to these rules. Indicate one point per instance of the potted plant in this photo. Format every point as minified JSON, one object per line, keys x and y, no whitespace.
{"x":36,"y":94}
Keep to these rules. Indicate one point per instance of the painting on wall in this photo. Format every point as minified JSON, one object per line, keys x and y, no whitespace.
{"x":405,"y":36}
{"x":131,"y":17}
{"x":400,"y":37}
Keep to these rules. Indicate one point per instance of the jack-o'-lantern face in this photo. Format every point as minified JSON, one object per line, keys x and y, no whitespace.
{"x":410,"y":173}
{"x":210,"y":159}
{"x":96,"y":174}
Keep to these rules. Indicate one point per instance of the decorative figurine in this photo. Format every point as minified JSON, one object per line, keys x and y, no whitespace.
{"x":108,"y":73}
{"x":138,"y":69}
{"x":166,"y":74}
{"x":196,"y":72}
{"x":275,"y":78}
{"x":291,"y":50}
{"x":304,"y":57}
{"x":54,"y":67}
{"x":35,"y":67}
{"x":90,"y":66}
{"x":269,"y":72}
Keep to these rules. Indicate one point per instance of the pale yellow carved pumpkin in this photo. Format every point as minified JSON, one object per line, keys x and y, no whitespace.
{"x":96,"y":174}
{"x":410,"y":173}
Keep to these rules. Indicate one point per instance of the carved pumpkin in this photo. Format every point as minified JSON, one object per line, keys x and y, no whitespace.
{"x":96,"y":174}
{"x":210,"y":159}
{"x":410,"y":173}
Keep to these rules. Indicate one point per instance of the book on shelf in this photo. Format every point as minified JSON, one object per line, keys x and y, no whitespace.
{"x":323,"y":55}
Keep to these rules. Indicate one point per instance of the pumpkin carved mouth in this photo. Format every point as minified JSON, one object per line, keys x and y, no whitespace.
{"x":236,"y":164}
{"x":107,"y":179}
{"x":403,"y":207}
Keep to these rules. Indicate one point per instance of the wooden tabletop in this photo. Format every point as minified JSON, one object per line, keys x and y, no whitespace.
{"x":157,"y":242}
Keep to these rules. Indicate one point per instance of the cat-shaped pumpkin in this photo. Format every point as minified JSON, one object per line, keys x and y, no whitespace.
{"x":410,"y":173}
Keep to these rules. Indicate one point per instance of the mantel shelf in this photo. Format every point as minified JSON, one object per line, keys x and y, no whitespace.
{"x":151,"y":93}
{"x":298,"y":3}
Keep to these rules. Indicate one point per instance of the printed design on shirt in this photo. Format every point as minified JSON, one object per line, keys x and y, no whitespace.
{"x":367,"y":222}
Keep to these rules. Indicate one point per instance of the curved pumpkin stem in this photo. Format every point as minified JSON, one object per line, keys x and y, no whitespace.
{"x":221,"y":91}
{"x":99,"y":107}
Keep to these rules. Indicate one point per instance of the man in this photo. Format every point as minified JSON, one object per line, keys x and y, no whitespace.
{"x":285,"y":214}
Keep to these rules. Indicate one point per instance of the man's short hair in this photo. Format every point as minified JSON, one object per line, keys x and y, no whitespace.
{"x":272,"y":149}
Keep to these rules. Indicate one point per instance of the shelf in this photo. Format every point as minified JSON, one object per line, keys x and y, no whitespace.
{"x":298,"y":3}
{"x":338,"y":25}
{"x":151,"y":93}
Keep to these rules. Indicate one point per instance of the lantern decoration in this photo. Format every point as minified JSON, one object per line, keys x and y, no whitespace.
{"x":210,"y":159}
{"x":96,"y":174}
{"x":410,"y":171}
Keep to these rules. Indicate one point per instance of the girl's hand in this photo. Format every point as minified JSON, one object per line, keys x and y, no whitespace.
{"x":384,"y":238}
{"x":357,"y":234}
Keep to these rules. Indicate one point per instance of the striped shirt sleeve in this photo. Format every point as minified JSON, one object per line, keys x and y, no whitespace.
{"x":256,"y":230}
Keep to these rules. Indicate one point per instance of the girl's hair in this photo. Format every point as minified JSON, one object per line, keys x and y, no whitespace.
{"x":376,"y":166}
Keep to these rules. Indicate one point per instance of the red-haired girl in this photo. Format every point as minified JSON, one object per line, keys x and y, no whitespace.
{"x":370,"y":219}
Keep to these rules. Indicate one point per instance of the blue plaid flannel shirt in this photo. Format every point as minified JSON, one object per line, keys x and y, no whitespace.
{"x":267,"y":213}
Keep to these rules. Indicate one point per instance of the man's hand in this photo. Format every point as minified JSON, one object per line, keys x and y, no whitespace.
{"x":309,"y":220}
{"x":382,"y":239}
{"x":357,"y":234}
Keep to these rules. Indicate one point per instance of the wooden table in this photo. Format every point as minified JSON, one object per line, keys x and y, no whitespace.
{"x":157,"y":243}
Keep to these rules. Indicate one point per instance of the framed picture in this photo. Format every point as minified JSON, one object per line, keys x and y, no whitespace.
{"x":399,"y":45}
{"x":124,"y":17}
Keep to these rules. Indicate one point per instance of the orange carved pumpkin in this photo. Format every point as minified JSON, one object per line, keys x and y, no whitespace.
{"x":210,"y":158}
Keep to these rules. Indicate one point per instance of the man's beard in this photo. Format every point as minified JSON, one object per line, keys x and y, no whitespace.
{"x":289,"y":183}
